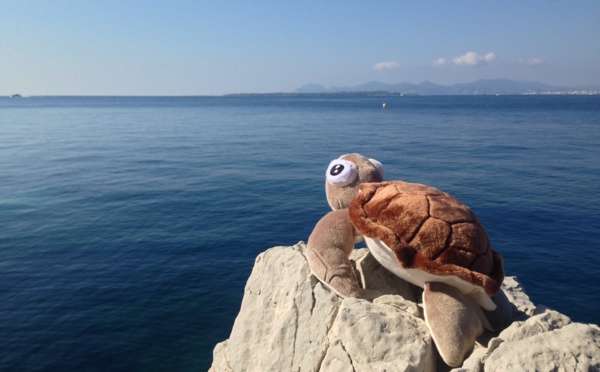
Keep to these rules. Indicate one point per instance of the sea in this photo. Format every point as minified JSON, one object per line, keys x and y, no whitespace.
{"x":130,"y":225}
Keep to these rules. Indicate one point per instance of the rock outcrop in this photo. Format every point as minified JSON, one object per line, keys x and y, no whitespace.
{"x":289,"y":321}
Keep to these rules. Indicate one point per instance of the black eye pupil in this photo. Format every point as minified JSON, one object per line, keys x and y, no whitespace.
{"x":337,"y":169}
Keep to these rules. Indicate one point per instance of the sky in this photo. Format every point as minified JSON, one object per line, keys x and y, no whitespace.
{"x":186,"y":47}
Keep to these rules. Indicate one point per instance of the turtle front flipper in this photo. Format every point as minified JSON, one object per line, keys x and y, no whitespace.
{"x":329,"y":246}
{"x":453,"y":321}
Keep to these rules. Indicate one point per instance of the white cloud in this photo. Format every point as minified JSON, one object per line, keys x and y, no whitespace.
{"x":441,"y":61}
{"x":468,"y":59}
{"x":475,"y":59}
{"x":388,"y":65}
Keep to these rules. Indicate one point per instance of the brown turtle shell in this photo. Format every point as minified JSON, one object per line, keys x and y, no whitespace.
{"x":428,"y":229}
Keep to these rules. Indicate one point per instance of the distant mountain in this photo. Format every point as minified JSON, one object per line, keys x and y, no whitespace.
{"x":493,"y":86}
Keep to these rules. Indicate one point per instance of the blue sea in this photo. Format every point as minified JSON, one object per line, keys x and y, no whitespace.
{"x":129,"y":225}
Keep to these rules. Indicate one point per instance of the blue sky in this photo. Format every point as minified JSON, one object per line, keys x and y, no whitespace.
{"x":186,"y":47}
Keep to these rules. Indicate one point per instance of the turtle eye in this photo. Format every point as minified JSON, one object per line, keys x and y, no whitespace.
{"x":341,"y":172}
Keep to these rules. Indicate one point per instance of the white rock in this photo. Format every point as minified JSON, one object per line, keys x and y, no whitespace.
{"x":289,"y":321}
{"x":547,"y":341}
{"x":574,"y":347}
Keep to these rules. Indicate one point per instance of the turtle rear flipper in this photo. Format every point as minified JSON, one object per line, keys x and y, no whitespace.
{"x":453,"y":321}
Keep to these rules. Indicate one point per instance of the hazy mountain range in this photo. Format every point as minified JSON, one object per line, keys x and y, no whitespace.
{"x":493,"y":86}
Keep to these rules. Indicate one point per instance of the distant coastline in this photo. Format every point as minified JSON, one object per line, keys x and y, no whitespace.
{"x":492,"y":87}
{"x":294,"y":94}
{"x":400,"y":94}
{"x":479,"y":87}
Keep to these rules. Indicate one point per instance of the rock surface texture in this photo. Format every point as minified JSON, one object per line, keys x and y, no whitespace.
{"x":289,"y":321}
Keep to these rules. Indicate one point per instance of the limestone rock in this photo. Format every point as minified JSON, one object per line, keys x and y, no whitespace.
{"x":289,"y":321}
{"x":547,"y":341}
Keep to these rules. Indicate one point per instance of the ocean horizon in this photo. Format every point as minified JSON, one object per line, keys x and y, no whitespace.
{"x":130,"y":224}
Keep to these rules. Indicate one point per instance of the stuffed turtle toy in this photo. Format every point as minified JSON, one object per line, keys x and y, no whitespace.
{"x":421,"y":234}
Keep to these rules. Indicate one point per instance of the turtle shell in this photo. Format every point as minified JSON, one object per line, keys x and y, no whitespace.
{"x":428,"y":230}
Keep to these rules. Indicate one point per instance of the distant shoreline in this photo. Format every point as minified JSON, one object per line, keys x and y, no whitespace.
{"x":399,"y":94}
{"x":414,"y":92}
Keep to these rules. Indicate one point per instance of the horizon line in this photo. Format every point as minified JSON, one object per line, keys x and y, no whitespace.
{"x":596,"y":87}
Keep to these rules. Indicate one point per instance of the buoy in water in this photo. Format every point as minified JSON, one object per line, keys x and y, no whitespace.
{"x":384,"y":106}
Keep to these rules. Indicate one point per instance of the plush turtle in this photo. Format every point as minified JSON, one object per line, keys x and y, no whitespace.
{"x":421,"y":234}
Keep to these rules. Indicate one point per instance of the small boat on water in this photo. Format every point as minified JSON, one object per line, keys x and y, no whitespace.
{"x":16,"y":96}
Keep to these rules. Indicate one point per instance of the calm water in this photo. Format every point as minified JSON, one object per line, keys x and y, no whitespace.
{"x":128,"y":226}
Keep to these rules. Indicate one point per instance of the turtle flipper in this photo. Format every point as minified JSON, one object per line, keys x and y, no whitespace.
{"x":329,"y":246}
{"x":454,"y":321}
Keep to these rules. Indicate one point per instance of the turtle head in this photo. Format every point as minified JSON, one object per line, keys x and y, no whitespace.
{"x":345,"y":174}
